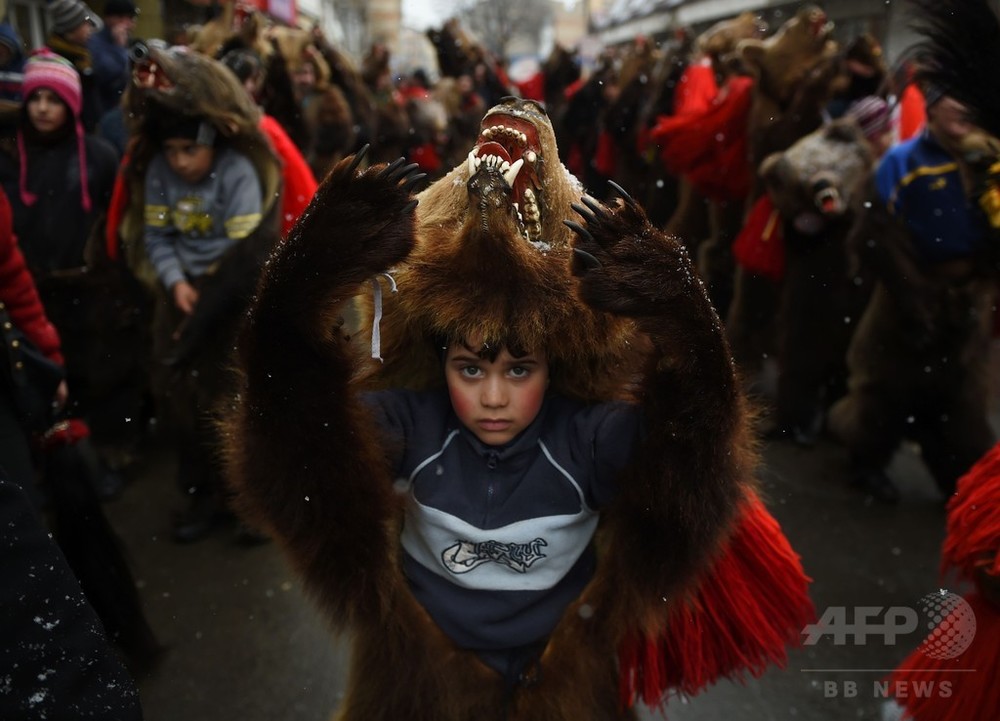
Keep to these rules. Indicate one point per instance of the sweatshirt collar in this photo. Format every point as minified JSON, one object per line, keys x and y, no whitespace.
{"x":524,"y":441}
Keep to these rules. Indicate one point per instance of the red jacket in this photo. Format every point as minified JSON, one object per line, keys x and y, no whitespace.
{"x":300,"y":185}
{"x":18,"y":293}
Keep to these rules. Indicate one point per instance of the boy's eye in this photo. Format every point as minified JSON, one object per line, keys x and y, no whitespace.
{"x":519,"y":372}
{"x":470,"y":371}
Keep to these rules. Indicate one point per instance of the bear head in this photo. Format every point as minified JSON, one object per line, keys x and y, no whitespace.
{"x":492,"y":261}
{"x":816,"y":182}
{"x":781,"y":62}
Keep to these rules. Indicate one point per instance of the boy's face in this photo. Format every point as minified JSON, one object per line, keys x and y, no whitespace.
{"x":190,"y":161}
{"x":949,"y":121}
{"x":46,"y":112}
{"x":497,"y":399}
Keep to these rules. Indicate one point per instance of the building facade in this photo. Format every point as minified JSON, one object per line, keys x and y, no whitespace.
{"x":619,"y":21}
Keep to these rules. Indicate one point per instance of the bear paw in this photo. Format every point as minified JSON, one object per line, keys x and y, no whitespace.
{"x":359,"y":219}
{"x":625,"y":265}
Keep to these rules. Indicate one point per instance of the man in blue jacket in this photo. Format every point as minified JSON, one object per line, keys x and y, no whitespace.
{"x":109,"y":51}
{"x":919,"y":359}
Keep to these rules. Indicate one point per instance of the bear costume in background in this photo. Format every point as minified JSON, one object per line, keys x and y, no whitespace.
{"x":693,"y":580}
{"x":919,"y":361}
{"x":192,"y":367}
{"x":815,"y":187}
{"x":793,"y":72}
{"x":705,"y":142}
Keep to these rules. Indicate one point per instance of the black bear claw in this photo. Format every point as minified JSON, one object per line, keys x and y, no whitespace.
{"x":589,"y":262}
{"x":358,"y":156}
{"x":621,"y":191}
{"x":578,"y":229}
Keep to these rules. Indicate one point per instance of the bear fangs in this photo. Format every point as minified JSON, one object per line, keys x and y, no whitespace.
{"x":509,"y":170}
{"x":510,"y":174}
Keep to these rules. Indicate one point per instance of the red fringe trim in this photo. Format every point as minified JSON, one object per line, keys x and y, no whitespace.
{"x":573,"y":88}
{"x":973,"y":538}
{"x":748,"y":608}
{"x":970,"y":695}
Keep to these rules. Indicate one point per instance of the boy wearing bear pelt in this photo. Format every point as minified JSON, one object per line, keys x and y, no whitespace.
{"x":517,"y":514}
{"x":195,"y":234}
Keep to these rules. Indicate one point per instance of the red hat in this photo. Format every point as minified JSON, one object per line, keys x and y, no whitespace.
{"x":45,"y":69}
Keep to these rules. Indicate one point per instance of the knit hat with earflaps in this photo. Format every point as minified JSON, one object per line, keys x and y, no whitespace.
{"x":45,"y":69}
{"x":873,"y":116}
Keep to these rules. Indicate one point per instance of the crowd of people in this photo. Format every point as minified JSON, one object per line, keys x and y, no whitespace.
{"x":841,"y":213}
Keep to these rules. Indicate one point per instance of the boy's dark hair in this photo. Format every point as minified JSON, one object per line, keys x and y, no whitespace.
{"x":165,"y":126}
{"x":488,"y":350}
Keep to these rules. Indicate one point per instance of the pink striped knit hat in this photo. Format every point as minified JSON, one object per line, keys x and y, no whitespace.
{"x":45,"y":69}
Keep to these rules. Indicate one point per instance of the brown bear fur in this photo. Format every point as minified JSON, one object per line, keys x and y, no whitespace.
{"x":187,"y":83}
{"x":191,"y":367}
{"x":816,"y":186}
{"x":307,"y":461}
{"x":794,"y":71}
{"x":723,"y":38}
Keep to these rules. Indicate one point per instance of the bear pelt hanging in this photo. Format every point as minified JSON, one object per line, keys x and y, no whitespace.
{"x":815,"y":187}
{"x":176,"y":82}
{"x":694,"y":580}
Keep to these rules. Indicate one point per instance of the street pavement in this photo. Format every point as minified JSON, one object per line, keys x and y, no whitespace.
{"x":245,"y":643}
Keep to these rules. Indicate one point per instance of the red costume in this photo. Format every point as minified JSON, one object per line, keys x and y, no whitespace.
{"x":299,"y":183}
{"x":708,"y":144}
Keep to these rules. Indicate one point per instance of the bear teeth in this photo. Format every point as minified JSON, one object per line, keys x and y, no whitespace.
{"x":502,"y":130}
{"x":492,"y":161}
{"x":510,"y":171}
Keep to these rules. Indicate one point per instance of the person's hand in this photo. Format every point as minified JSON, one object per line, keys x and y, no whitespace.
{"x":62,"y":395}
{"x":185,"y":297}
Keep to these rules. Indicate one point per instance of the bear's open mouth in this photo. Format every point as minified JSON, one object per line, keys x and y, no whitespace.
{"x":509,"y":145}
{"x":149,"y":75}
{"x":829,"y":202}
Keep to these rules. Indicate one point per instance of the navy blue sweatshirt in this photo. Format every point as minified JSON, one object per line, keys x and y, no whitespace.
{"x":497,"y":540}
